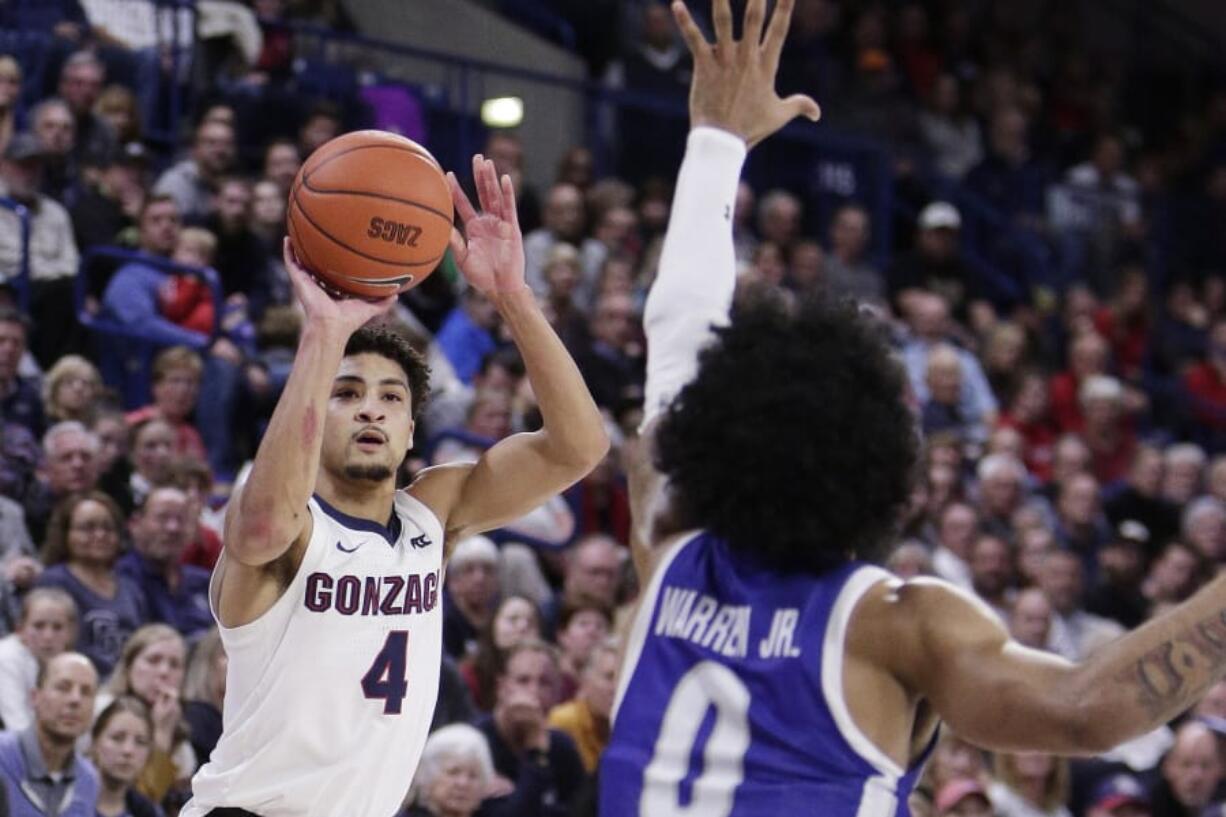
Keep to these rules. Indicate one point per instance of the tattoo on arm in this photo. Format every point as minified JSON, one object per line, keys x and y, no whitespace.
{"x":1172,"y":675}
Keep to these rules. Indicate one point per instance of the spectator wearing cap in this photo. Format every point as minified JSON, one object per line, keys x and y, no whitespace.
{"x":39,"y":765}
{"x":52,"y":251}
{"x":1140,"y":499}
{"x":1191,"y":773}
{"x":1121,"y":569}
{"x":80,"y":84}
{"x":935,"y":263}
{"x":1120,"y":795}
{"x":963,"y":797}
{"x":192,"y":183}
{"x":848,"y":273}
{"x":1075,"y":634}
{"x":109,"y":205}
{"x":471,"y":594}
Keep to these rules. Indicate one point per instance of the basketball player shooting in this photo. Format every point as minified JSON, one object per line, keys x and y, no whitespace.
{"x":771,"y":668}
{"x":328,"y":591}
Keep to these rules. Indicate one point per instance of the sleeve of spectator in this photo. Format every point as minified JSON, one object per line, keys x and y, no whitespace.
{"x":694,"y":287}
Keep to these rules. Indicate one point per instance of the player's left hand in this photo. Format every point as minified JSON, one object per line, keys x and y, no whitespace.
{"x":490,"y":253}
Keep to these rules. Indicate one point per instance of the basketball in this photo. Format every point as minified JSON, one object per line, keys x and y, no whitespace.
{"x":370,"y":214}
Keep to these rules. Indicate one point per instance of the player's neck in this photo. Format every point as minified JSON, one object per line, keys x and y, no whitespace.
{"x":362,"y":499}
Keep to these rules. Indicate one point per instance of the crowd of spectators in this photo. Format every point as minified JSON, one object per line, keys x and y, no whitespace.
{"x":1075,"y":464}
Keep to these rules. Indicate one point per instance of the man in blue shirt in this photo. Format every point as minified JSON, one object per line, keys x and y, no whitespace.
{"x":175,"y":594}
{"x":40,"y":771}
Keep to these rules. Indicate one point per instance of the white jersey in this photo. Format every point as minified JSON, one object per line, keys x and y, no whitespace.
{"x":330,"y":693}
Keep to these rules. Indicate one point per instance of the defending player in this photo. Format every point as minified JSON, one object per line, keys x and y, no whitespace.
{"x":328,"y":591}
{"x":769,"y":671}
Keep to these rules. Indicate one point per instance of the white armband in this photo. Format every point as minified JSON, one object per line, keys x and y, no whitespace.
{"x":697,"y":275}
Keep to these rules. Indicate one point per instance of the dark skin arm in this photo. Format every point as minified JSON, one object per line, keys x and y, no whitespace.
{"x":947,"y":647}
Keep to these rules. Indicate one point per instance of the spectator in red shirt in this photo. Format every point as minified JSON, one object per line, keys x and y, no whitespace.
{"x":1088,"y":355}
{"x":1205,"y":383}
{"x":176,"y":388}
{"x":1107,"y":430}
{"x":1125,"y":322}
{"x":185,"y":299}
{"x":1027,"y":412}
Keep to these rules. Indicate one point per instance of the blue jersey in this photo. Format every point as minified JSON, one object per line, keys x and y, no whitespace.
{"x":732,"y":705}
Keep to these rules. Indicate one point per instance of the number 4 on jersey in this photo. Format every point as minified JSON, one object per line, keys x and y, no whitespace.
{"x":387,"y":677}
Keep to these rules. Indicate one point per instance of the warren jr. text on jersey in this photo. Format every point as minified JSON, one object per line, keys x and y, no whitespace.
{"x":372,"y":595}
{"x":724,"y":628}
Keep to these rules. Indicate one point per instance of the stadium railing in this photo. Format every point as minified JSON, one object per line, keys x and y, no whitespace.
{"x":21,"y":280}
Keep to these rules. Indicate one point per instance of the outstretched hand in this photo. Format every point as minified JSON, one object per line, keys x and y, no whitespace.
{"x":490,"y":253}
{"x":347,"y":315}
{"x":734,"y":80}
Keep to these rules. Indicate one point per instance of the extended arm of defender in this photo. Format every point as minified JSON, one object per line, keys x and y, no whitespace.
{"x":270,"y":512}
{"x":1003,"y":696}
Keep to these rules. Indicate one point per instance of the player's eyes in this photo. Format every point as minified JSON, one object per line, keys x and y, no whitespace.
{"x":393,"y":397}
{"x":344,"y":394}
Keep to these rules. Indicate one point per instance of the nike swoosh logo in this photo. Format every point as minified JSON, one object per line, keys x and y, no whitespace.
{"x":344,"y":549}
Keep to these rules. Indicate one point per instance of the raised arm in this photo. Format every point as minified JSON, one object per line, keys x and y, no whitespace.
{"x":733,"y":106}
{"x":270,"y":513}
{"x":523,"y":470}
{"x":1003,"y":696}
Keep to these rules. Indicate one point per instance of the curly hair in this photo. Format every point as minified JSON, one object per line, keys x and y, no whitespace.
{"x":793,"y":442}
{"x":379,"y":340}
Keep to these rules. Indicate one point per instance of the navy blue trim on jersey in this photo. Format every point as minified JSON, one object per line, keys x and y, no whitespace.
{"x":390,"y":531}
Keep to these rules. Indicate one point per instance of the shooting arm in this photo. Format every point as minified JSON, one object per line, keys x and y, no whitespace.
{"x":271,"y":511}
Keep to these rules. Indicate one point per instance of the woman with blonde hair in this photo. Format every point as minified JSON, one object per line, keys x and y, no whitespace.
{"x":71,"y":389}
{"x":1030,"y":784}
{"x":152,"y":668}
{"x":118,"y":106}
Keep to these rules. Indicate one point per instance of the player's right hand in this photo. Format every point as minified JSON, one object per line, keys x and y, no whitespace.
{"x":346,"y":315}
{"x":734,"y":80}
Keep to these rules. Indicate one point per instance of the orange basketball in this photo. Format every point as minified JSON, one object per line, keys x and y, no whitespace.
{"x":370,"y":214}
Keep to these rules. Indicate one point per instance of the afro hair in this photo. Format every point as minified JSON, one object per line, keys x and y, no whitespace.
{"x":794,"y":441}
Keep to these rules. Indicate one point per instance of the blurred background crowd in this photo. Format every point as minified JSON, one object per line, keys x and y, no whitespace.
{"x":1038,"y":221}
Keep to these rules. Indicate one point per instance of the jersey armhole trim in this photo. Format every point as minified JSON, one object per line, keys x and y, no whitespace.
{"x":642,"y":620}
{"x":424,"y":515}
{"x":833,"y":647}
{"x":304,"y":567}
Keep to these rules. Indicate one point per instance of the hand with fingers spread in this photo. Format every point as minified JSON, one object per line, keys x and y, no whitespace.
{"x":346,"y":315}
{"x":734,"y":80}
{"x":491,"y":251}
